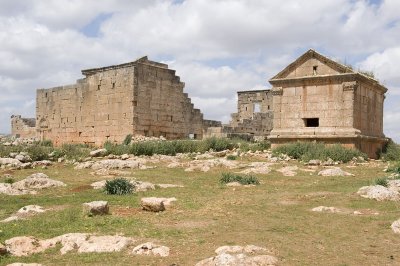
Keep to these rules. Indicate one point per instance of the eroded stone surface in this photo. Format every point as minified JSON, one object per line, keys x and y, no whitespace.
{"x":396,"y":226}
{"x":155,"y":204}
{"x":25,"y":212}
{"x":238,"y":256}
{"x":336,"y":171}
{"x":326,"y":209}
{"x":379,"y":193}
{"x":150,"y":248}
{"x":95,"y":208}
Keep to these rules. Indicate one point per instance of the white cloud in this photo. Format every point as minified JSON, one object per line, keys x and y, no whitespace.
{"x":217,"y":47}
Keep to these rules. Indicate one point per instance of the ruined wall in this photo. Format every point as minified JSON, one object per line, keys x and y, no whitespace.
{"x":23,"y":127}
{"x":142,"y":97}
{"x":161,"y":108}
{"x":255,"y":113}
{"x":96,"y":109}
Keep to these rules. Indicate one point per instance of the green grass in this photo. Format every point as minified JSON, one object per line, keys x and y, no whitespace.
{"x":306,"y":151}
{"x":244,"y":180}
{"x":275,"y":214}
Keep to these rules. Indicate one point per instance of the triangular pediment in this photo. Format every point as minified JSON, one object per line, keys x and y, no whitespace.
{"x":312,"y":63}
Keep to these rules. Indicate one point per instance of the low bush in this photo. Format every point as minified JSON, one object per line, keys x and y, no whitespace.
{"x":231,"y":157}
{"x":127,"y":140}
{"x":9,"y":180}
{"x":118,"y":186}
{"x":381,"y":181}
{"x":38,"y":152}
{"x":244,"y":180}
{"x":310,"y":150}
{"x":391,"y":152}
{"x":72,"y":151}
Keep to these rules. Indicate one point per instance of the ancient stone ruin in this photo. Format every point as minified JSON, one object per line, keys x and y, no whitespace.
{"x":141,"y":97}
{"x":23,"y":127}
{"x":312,"y":99}
{"x":316,"y":98}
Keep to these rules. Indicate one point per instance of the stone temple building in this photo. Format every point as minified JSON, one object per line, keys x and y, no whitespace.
{"x":316,"y":98}
{"x":140,"y":98}
{"x":23,"y":127}
{"x":312,"y":99}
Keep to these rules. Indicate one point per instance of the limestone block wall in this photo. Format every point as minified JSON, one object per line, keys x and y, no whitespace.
{"x":141,"y":97}
{"x":23,"y":127}
{"x":95,"y":109}
{"x":161,"y":108}
{"x":368,"y":109}
{"x":255,"y":113}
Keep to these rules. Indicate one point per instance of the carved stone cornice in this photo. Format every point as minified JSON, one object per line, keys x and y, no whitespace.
{"x":277,"y":91}
{"x":350,"y":86}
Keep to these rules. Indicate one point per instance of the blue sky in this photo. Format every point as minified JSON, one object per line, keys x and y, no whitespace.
{"x":217,"y":47}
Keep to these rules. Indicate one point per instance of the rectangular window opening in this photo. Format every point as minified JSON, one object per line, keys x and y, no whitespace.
{"x":257,"y":108}
{"x":311,"y":122}
{"x":315,"y":70}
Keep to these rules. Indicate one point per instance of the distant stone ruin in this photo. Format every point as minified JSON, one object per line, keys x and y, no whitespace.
{"x":140,"y":98}
{"x":312,"y":99}
{"x":23,"y":127}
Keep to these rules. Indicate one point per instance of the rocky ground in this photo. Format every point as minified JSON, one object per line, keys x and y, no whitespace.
{"x":313,"y":213}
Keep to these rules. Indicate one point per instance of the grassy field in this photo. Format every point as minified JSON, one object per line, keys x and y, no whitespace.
{"x":275,"y":214}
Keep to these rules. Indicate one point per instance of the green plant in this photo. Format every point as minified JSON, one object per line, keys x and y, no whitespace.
{"x":9,"y":180}
{"x":118,"y":186}
{"x":127,"y":140}
{"x":39,"y":152}
{"x":244,"y":180}
{"x":391,"y":152}
{"x":381,"y":181}
{"x":309,"y":150}
{"x":231,"y":157}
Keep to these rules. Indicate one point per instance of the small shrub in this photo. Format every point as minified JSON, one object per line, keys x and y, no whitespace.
{"x":394,"y":169}
{"x":118,"y":186}
{"x":391,"y":152}
{"x":381,"y":181}
{"x":72,"y":151}
{"x":231,"y":157}
{"x":127,"y":140}
{"x":309,"y":150}
{"x":244,"y":180}
{"x":9,"y":180}
{"x":38,"y":152}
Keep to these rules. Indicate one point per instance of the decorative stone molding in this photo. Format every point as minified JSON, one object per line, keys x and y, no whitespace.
{"x":350,"y":86}
{"x":277,"y":91}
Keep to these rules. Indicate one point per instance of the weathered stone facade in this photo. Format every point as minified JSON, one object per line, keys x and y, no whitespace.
{"x":23,"y":127}
{"x":142,"y":97}
{"x":255,"y":114}
{"x":316,"y":98}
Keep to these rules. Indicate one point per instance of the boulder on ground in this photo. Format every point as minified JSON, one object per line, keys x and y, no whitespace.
{"x":378,"y":193}
{"x":150,"y":248}
{"x":238,"y":255}
{"x":99,"y":244}
{"x":326,"y":209}
{"x":37,"y":181}
{"x":26,"y":245}
{"x":98,"y":153}
{"x":24,"y":264}
{"x":154,"y":204}
{"x":95,"y":208}
{"x":288,"y":170}
{"x":10,"y":162}
{"x":336,"y":171}
{"x":396,"y":226}
{"x":8,"y":189}
{"x":314,"y":162}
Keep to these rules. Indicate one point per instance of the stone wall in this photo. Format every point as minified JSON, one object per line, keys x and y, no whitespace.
{"x":315,"y":98}
{"x":142,"y":97}
{"x":23,"y":127}
{"x":255,"y":113}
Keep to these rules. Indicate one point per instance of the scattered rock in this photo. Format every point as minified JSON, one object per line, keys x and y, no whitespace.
{"x":37,"y":181}
{"x":257,"y":168}
{"x":396,"y":226}
{"x":168,"y":185}
{"x":110,"y":164}
{"x":314,"y":162}
{"x":10,"y":162}
{"x":326,"y":209}
{"x":99,"y":184}
{"x":143,"y":186}
{"x":233,"y":184}
{"x":95,"y":208}
{"x":82,"y":243}
{"x":8,"y":189}
{"x":336,"y":171}
{"x":125,"y":156}
{"x":378,"y":193}
{"x":154,"y":204}
{"x":288,"y":170}
{"x":238,"y":255}
{"x":150,"y":248}
{"x":98,"y":152}
{"x":109,"y":172}
{"x":25,"y":212}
